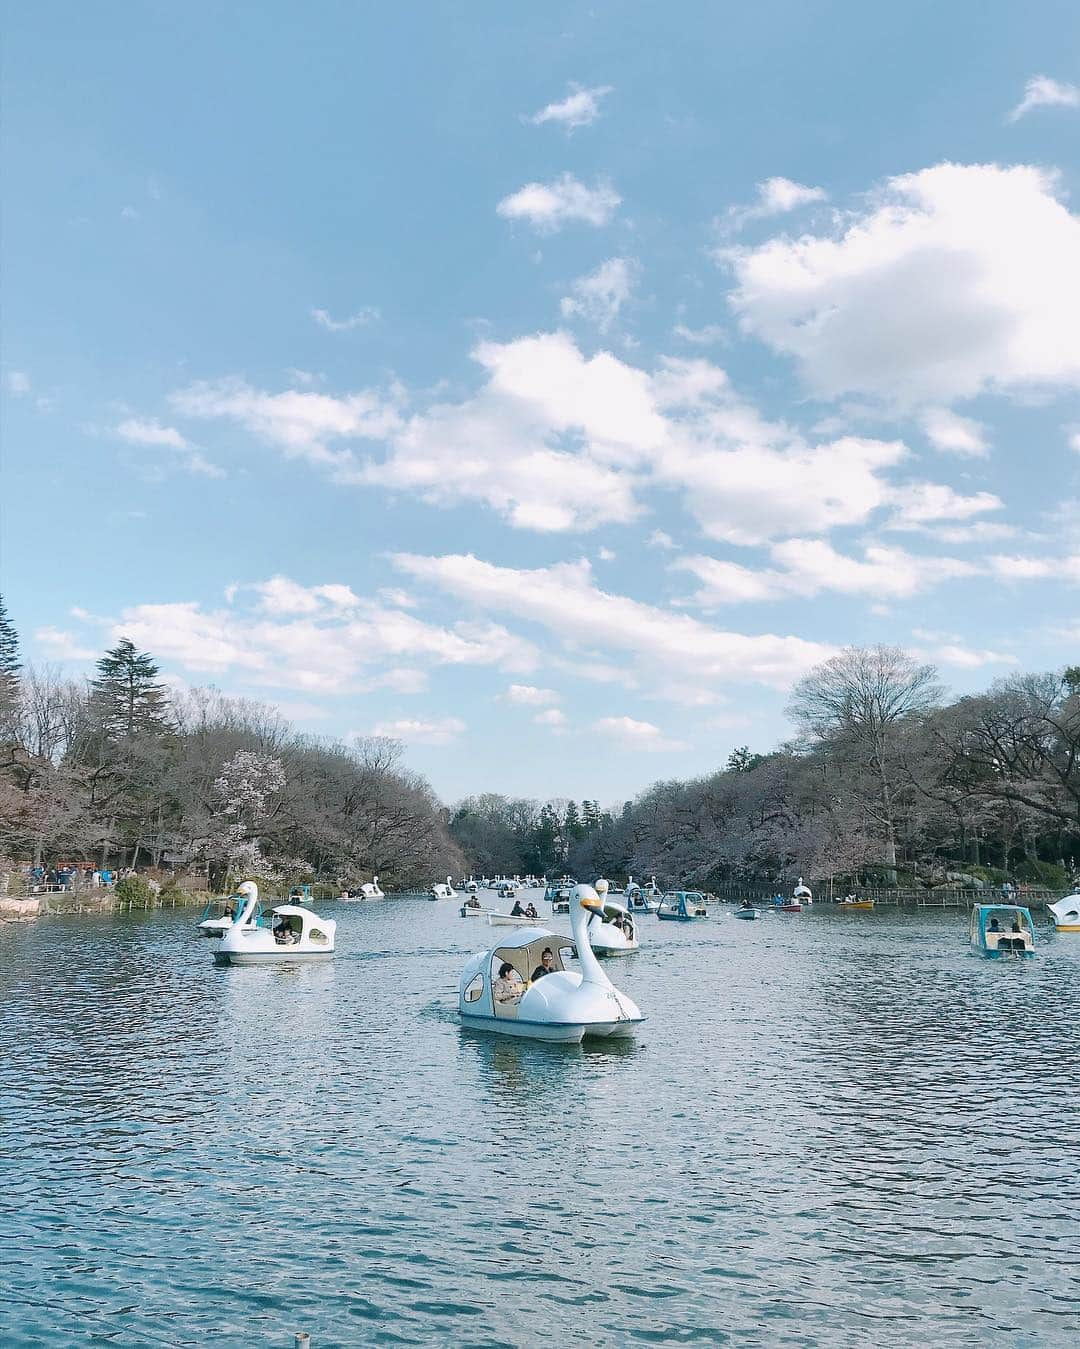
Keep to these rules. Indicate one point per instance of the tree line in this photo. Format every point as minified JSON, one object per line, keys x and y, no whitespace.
{"x":122,"y":771}
{"x":886,"y":780}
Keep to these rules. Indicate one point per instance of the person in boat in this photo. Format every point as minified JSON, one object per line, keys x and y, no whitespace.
{"x":507,"y":987}
{"x":229,"y":910}
{"x":472,"y":902}
{"x":283,"y":933}
{"x":1016,"y":924}
{"x":994,"y":925}
{"x":517,"y":911}
{"x":530,"y":911}
{"x":546,"y":966}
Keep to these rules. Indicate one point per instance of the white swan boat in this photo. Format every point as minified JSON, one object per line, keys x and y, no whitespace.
{"x":369,"y":890}
{"x":1066,"y":913}
{"x":440,"y":891}
{"x":288,"y":933}
{"x":217,"y":917}
{"x":802,"y":894}
{"x":558,"y":1004}
{"x":612,"y":931}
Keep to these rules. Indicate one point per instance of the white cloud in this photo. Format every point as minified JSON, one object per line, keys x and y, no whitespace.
{"x":775,"y":196}
{"x":955,"y":434}
{"x":554,"y":440}
{"x":579,"y":108}
{"x":981,"y":531}
{"x":318,"y":639}
{"x":1043,"y":92}
{"x":528,"y":695}
{"x":639,"y":736}
{"x":606,"y":554}
{"x":1020,"y":568}
{"x":551,"y":717}
{"x":924,"y":503}
{"x":707,"y":335}
{"x":129,"y":213}
{"x":17,"y":383}
{"x":964,"y":657}
{"x":599,"y":296}
{"x":300,"y":423}
{"x":544,"y":442}
{"x":662,"y":540}
{"x":362,"y":317}
{"x":809,"y":566}
{"x":754,"y":492}
{"x":549,"y":206}
{"x":1074,"y":441}
{"x":641,"y":640}
{"x":440,"y":731}
{"x":60,"y":645}
{"x":954,"y":280}
{"x":149,"y":431}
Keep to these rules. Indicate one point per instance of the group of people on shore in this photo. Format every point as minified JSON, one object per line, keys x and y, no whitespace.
{"x":71,"y":876}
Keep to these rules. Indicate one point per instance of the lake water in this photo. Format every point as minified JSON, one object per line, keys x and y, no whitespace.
{"x":834,"y":1129}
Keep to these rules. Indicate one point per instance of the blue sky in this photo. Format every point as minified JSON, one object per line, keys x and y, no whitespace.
{"x":548,"y":386}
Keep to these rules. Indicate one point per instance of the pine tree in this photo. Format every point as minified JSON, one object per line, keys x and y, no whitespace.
{"x":128,"y":698}
{"x":9,"y":648}
{"x":9,"y":670}
{"x":573,"y":829}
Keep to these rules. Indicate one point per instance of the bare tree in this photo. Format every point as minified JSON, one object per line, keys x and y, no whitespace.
{"x":857,"y":700}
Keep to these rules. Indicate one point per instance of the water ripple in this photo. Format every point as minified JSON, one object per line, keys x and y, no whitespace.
{"x":833,"y":1130}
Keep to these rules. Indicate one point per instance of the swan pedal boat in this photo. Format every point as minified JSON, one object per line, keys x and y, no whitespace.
{"x":562,"y":1007}
{"x":1066,"y":913}
{"x":605,"y":937}
{"x":440,"y":891}
{"x":253,"y":939}
{"x":998,"y":930}
{"x":369,"y":890}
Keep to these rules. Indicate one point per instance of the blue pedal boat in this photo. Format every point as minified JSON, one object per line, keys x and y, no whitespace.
{"x":682,"y":906}
{"x":1002,"y":930}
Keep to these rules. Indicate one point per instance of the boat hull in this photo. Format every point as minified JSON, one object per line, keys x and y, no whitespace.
{"x":567,"y":1033}
{"x":747,"y":916}
{"x":279,"y":957}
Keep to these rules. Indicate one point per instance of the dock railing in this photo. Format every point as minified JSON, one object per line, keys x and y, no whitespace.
{"x":941,"y":897}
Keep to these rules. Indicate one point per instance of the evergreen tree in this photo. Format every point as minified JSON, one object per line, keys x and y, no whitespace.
{"x":590,"y":816}
{"x":9,"y":648}
{"x":545,"y":840}
{"x":741,"y":760}
{"x":127,"y":697}
{"x":573,"y":829}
